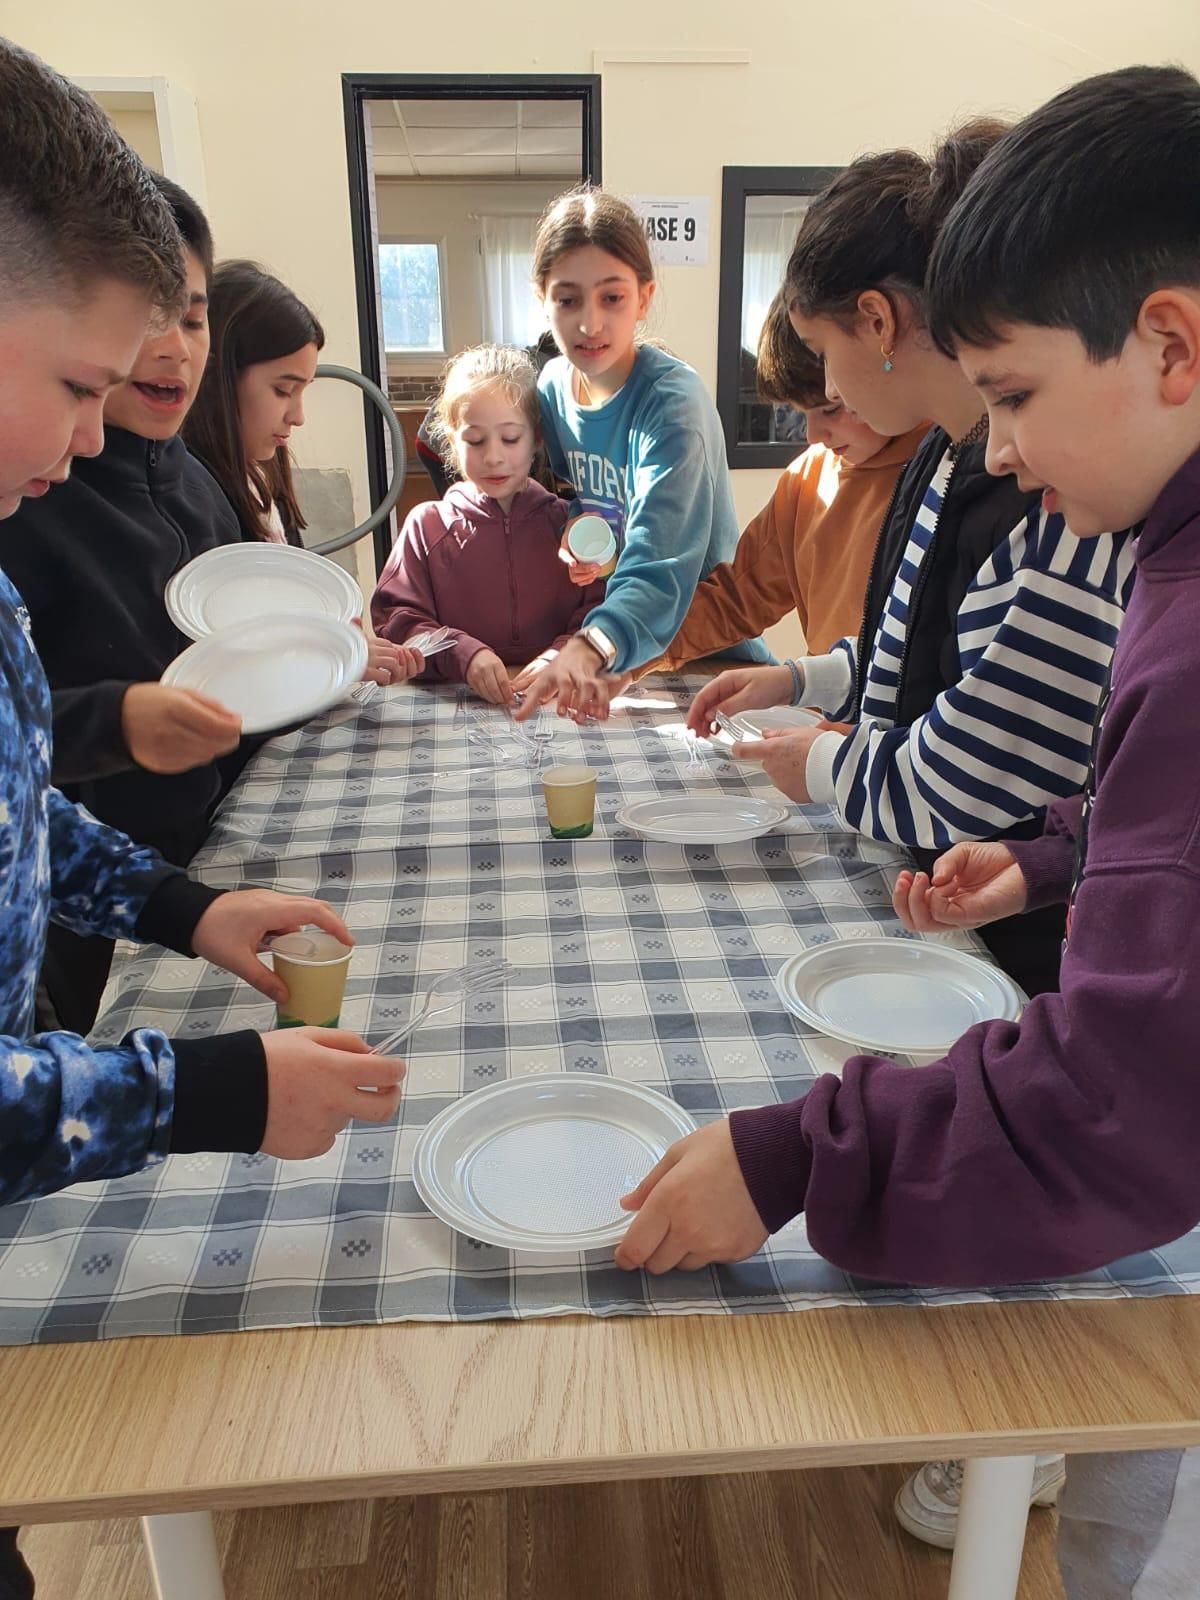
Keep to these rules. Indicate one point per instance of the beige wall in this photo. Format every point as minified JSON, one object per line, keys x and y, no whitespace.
{"x":139,"y":129}
{"x":449,"y":212}
{"x":822,"y":83}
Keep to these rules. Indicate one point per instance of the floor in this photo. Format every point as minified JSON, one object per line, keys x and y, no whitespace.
{"x":783,"y":1536}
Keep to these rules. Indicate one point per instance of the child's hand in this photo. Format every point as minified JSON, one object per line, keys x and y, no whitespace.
{"x":231,"y":932}
{"x":740,"y":689}
{"x":173,"y":730}
{"x":488,"y":676}
{"x":783,"y":753}
{"x":693,"y":1208}
{"x":581,"y":573}
{"x":391,"y":663}
{"x":527,"y":674}
{"x":575,"y":680}
{"x":318,"y":1080}
{"x":972,"y":884}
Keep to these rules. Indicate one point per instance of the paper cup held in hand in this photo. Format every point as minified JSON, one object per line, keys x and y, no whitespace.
{"x":570,"y":800}
{"x":589,"y":538}
{"x":314,"y":966}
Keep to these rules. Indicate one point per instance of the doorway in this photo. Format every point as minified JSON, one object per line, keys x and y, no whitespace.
{"x":448,"y":176}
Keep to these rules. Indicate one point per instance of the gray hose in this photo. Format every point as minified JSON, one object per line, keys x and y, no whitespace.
{"x":399,"y":454}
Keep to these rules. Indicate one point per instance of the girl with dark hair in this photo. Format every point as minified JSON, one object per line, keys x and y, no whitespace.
{"x":264,"y":344}
{"x":263,"y":355}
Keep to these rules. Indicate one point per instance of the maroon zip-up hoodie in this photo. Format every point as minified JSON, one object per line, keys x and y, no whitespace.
{"x":493,"y":576}
{"x":1072,"y":1138}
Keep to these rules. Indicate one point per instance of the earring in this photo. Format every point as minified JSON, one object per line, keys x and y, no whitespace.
{"x":887,"y":355}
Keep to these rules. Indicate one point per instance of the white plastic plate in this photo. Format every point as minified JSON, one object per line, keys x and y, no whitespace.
{"x":281,"y":671}
{"x":702,"y":818}
{"x":753,"y":724}
{"x":238,"y":584}
{"x":901,"y":995}
{"x":540,"y":1163}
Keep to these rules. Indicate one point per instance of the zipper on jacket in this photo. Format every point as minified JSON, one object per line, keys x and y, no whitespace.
{"x":185,"y":554}
{"x":921,"y":580}
{"x":514,"y":631}
{"x":862,"y":660}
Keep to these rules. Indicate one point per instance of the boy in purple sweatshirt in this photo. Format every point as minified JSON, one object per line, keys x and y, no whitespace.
{"x":484,"y":560}
{"x":1067,"y":282}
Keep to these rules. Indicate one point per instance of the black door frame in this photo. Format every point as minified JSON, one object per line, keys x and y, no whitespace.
{"x":357,"y":89}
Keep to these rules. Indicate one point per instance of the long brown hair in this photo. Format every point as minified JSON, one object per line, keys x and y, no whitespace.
{"x":590,"y":216}
{"x":252,"y":317}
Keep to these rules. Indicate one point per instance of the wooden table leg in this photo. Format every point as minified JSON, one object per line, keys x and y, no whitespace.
{"x":991,"y":1527}
{"x":182,"y":1551}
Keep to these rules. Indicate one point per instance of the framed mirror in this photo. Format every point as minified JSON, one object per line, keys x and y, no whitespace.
{"x":761,"y":209}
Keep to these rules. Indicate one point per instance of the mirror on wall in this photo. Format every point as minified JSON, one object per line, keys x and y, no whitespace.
{"x":761,"y":209}
{"x":449,"y":175}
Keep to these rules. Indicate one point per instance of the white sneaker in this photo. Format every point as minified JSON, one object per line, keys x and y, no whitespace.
{"x":927,"y":1502}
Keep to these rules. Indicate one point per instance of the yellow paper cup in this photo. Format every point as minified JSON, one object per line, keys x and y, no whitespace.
{"x":590,"y":539}
{"x":570,"y":800}
{"x":314,"y":965}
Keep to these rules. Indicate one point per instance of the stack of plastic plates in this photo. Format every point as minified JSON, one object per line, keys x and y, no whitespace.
{"x":541,"y":1163}
{"x":714,"y":818}
{"x":895,"y":995}
{"x":236,"y":585}
{"x":283,"y":670}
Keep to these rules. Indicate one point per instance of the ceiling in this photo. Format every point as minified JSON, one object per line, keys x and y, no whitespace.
{"x":477,"y":138}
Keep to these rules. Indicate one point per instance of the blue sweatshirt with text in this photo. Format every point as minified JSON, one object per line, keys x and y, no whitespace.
{"x":651,"y":461}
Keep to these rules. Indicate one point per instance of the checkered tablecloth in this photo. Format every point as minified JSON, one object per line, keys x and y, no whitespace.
{"x":400,"y":770}
{"x":651,"y":962}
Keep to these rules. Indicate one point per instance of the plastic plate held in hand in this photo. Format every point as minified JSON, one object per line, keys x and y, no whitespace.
{"x":905,"y":995}
{"x":541,"y":1163}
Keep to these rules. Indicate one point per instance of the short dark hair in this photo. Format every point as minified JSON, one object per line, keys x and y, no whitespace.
{"x":190,"y":220}
{"x":1083,"y":210}
{"x":788,"y":373}
{"x":76,"y":205}
{"x":252,"y":317}
{"x":875,"y":225}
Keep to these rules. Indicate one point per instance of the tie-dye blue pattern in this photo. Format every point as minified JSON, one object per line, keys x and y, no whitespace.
{"x":67,"y":1112}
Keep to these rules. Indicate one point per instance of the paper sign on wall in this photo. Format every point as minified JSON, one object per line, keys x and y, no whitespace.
{"x":676,"y":227}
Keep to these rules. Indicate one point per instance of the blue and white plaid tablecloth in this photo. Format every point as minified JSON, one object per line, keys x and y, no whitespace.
{"x":651,"y":962}
{"x":400,"y":770}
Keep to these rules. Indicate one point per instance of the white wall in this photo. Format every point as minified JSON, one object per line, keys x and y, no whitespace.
{"x":449,"y":212}
{"x":822,"y":83}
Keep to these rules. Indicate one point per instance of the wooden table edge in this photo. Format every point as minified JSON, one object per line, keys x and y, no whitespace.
{"x":493,"y":1477}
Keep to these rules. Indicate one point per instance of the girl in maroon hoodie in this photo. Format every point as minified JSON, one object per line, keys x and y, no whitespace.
{"x":484,"y":560}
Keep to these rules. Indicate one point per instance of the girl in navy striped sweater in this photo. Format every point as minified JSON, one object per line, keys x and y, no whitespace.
{"x":966,"y":703}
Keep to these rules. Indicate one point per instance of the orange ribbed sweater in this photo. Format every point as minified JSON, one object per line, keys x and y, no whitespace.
{"x":809,"y":548}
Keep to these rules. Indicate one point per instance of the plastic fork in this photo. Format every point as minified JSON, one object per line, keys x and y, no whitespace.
{"x":448,"y":991}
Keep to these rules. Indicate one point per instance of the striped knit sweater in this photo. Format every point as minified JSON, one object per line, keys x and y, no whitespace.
{"x":1035,"y":632}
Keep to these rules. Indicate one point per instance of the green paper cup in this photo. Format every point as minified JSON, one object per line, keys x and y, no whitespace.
{"x":570,"y":800}
{"x":314,"y":965}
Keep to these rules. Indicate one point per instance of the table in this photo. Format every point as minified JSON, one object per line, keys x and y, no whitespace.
{"x":159,"y":1427}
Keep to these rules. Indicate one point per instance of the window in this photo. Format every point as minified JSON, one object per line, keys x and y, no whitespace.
{"x":410,"y":287}
{"x":512,"y":314}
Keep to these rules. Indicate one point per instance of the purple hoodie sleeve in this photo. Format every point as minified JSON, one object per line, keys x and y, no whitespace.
{"x":1048,"y":862}
{"x":1049,"y":1146}
{"x":404,"y":602}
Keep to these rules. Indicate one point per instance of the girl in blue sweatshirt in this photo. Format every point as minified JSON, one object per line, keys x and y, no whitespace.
{"x":633,"y":430}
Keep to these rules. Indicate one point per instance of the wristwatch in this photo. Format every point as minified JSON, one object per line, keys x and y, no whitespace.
{"x":600,"y":643}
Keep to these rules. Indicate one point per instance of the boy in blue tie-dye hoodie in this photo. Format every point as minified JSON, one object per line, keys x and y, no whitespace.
{"x":88,"y":252}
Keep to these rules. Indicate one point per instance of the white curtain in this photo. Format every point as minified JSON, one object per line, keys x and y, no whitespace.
{"x":512,"y":314}
{"x":769,"y":238}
